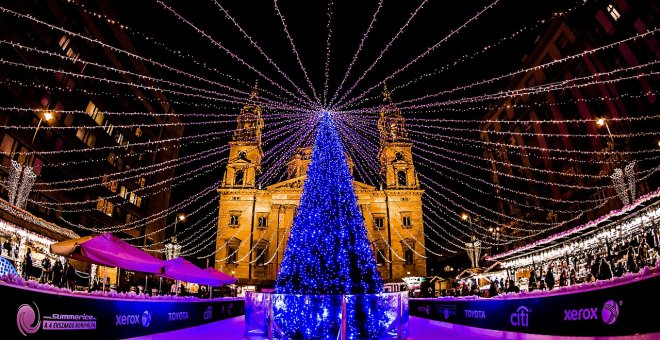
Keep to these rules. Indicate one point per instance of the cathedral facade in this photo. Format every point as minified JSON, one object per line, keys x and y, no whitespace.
{"x":254,"y":223}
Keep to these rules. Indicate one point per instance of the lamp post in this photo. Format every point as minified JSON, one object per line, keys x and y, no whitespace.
{"x":21,"y":177}
{"x":625,"y":191}
{"x":473,"y":247}
{"x":172,"y":249}
{"x":600,"y":122}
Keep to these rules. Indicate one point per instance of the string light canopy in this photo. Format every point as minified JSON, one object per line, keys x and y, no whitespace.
{"x":528,"y":155}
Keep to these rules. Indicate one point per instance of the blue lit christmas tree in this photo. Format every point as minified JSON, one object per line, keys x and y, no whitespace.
{"x":328,"y":251}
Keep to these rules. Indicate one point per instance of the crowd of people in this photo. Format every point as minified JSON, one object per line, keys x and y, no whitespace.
{"x":58,"y":273}
{"x":599,"y":263}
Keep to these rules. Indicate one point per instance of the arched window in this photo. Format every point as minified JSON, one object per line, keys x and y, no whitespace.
{"x":238,"y":177}
{"x":408,"y":256}
{"x":242,"y":155}
{"x":398,"y":156}
{"x":401,"y":177}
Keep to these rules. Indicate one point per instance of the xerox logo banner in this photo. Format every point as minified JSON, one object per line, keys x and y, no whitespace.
{"x":609,"y":313}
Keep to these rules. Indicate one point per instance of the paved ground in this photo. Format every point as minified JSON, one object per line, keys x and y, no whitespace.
{"x":420,"y":329}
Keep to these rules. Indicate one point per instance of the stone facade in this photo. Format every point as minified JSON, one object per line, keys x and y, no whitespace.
{"x":254,"y":223}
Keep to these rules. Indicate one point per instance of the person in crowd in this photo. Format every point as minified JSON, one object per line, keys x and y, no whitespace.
{"x":619,"y":269}
{"x":57,"y":273}
{"x":512,"y":288}
{"x":594,"y":268}
{"x":550,"y":278}
{"x":27,"y":264}
{"x":69,"y":275}
{"x":631,"y":263}
{"x":474,"y":290}
{"x":573,"y":277}
{"x":643,"y":253}
{"x":532,"y":284}
{"x":6,"y":247}
{"x":563,"y":278}
{"x":493,"y":290}
{"x":45,"y":270}
{"x":542,"y":285}
{"x":605,"y":270}
{"x":590,"y":278}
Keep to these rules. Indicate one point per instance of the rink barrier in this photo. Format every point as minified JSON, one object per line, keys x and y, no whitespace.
{"x":33,"y":313}
{"x":623,"y":309}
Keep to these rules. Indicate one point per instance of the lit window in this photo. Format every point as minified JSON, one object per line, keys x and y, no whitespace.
{"x":94,"y":112}
{"x":109,"y":128}
{"x":105,"y":206}
{"x":138,"y":132}
{"x":87,"y":136}
{"x":613,"y":12}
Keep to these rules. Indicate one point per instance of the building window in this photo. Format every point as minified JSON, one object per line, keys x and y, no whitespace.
{"x":238,"y":177}
{"x":408,"y":256}
{"x":105,"y":206}
{"x":86,"y":136}
{"x":232,"y":254}
{"x":109,"y":128}
{"x":406,"y":220}
{"x":398,"y":156}
{"x":380,"y":257}
{"x":232,"y":250}
{"x":242,"y":155}
{"x":262,"y":220}
{"x":138,"y":132}
{"x":94,"y":112}
{"x":613,"y":12}
{"x":401,"y":178}
{"x":379,"y":222}
{"x":142,"y":182}
{"x":262,"y":253}
{"x":233,"y":218}
{"x":65,"y":44}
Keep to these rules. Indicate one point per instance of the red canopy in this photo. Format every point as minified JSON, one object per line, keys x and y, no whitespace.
{"x":108,"y":250}
{"x":220,"y":275}
{"x":182,"y":270}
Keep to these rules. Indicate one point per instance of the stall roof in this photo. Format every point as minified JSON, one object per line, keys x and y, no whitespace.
{"x":614,"y":216}
{"x":108,"y":250}
{"x":26,"y":220}
{"x":183,"y":270}
{"x":220,"y":275}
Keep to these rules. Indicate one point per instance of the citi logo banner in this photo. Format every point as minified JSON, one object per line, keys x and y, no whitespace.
{"x":520,"y":318}
{"x":208,"y":314}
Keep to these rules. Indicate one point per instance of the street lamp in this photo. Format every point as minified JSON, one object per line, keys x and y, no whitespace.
{"x":473,"y":247}
{"x":600,"y":122}
{"x":172,"y":249}
{"x":47,"y":116}
{"x":22,"y":177}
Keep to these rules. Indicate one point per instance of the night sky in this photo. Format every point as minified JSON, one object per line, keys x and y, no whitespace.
{"x":307,"y":24}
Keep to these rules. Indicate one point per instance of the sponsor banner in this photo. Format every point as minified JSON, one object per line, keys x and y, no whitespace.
{"x":623,"y":309}
{"x":33,"y":313}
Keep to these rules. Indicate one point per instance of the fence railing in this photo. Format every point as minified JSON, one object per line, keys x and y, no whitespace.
{"x":289,"y":316}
